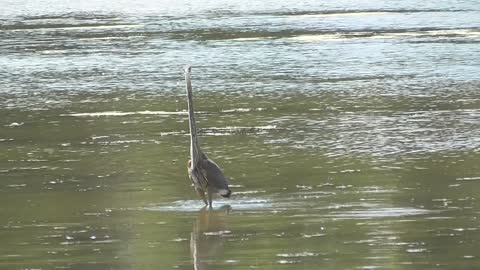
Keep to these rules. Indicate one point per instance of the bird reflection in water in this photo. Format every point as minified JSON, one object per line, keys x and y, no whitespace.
{"x":208,"y":236}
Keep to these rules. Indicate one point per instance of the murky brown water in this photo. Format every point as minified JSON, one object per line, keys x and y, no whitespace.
{"x":350,"y":132}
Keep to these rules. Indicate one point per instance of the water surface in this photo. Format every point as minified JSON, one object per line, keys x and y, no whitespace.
{"x":349,"y":130}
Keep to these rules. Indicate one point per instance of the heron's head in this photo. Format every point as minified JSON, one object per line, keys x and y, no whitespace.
{"x":187,"y":69}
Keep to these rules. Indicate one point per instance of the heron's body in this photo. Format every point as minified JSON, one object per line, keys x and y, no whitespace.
{"x":206,"y":175}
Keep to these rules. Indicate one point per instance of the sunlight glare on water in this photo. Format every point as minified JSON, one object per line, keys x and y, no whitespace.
{"x":349,"y":131}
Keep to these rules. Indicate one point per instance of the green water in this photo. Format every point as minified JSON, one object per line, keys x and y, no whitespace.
{"x":110,"y":190}
{"x":349,"y":130}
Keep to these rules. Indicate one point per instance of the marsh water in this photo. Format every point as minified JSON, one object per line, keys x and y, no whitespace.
{"x":349,"y":130}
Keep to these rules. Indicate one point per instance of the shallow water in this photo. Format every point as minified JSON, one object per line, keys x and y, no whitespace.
{"x":349,"y":130}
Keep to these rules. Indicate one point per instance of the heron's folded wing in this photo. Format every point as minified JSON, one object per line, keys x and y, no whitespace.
{"x":214,"y":175}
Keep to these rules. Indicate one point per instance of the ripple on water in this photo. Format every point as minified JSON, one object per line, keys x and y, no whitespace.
{"x":473,"y":178}
{"x":296,"y":255}
{"x":293,"y":202}
{"x":287,"y":261}
{"x":122,"y":113}
{"x":231,"y":130}
{"x":381,"y":213}
{"x":195,"y":205}
{"x":290,"y":258}
{"x":119,"y":113}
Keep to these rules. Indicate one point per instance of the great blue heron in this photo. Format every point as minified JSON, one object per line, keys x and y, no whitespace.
{"x":206,"y":175}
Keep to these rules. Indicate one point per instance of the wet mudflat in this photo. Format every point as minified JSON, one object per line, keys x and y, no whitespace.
{"x":350,"y":133}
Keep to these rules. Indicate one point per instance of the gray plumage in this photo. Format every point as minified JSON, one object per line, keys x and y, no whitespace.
{"x":206,"y":175}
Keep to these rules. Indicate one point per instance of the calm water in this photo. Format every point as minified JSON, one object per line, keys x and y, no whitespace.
{"x":350,"y":131}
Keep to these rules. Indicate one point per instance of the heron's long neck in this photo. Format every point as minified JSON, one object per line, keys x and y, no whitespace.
{"x":194,"y":147}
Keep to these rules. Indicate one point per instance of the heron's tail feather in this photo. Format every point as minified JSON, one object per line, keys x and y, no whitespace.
{"x":225,"y":193}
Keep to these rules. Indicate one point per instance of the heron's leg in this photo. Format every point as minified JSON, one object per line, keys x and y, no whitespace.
{"x":210,"y":193}
{"x":201,"y":193}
